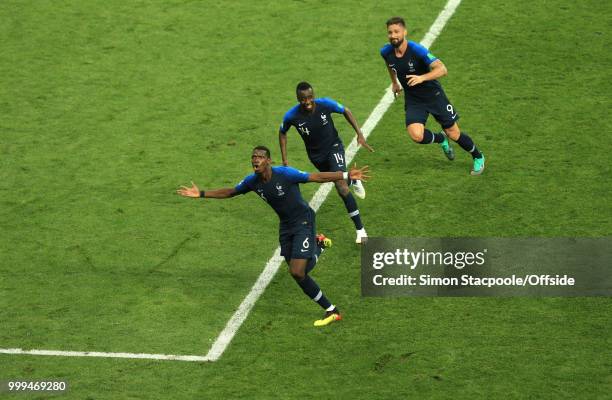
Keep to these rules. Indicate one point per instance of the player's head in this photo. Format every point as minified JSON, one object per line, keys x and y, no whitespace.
{"x":396,"y":31}
{"x":305,"y":95}
{"x":260,"y":159}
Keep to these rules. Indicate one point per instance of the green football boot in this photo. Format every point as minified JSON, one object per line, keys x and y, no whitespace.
{"x":446,"y":148}
{"x":479,"y":165}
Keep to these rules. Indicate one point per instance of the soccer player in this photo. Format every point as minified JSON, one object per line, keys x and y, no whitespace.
{"x":279,"y":187}
{"x":417,"y":71}
{"x":313,"y":121}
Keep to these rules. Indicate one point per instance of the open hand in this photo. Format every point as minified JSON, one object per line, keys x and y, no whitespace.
{"x":193,"y":191}
{"x":359,"y":174}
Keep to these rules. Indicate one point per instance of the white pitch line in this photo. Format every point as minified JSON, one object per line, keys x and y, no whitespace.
{"x":105,"y":355}
{"x":232,"y":326}
{"x":436,"y":28}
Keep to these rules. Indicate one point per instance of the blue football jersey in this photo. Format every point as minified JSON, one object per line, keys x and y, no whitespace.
{"x":281,"y":192}
{"x":415,"y":61}
{"x":316,"y":128}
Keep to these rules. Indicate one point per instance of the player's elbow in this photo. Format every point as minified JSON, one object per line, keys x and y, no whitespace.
{"x":438,"y":68}
{"x":442,"y":70}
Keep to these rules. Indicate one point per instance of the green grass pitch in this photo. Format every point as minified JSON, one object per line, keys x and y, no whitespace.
{"x":106,"y":107}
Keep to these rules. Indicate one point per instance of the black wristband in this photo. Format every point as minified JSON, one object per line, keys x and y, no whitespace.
{"x":201,"y":193}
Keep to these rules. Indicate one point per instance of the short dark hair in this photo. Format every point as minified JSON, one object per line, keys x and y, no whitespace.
{"x":264,"y":148}
{"x":302,"y":86}
{"x":396,"y":21}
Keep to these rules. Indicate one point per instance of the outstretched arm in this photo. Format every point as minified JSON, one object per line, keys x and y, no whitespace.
{"x":351,"y":120}
{"x":195,"y":192}
{"x":355,"y":173}
{"x":282,"y":140}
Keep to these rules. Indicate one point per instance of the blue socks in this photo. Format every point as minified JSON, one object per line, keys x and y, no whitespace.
{"x":353,"y":211}
{"x":468,"y":145}
{"x":312,"y":290}
{"x":430,"y":137}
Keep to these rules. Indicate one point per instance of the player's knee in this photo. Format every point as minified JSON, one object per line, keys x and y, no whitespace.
{"x":416,"y":137}
{"x":453,"y":132}
{"x":297,"y":274}
{"x":415,"y":134}
{"x":342,"y":188}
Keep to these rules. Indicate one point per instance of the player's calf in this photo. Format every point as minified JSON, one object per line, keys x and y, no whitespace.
{"x":297,"y":268}
{"x":342,"y":188}
{"x":467,"y":144}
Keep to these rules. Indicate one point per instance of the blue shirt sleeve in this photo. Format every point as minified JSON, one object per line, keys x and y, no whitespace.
{"x":422,"y":52}
{"x":294,"y":175}
{"x":386,"y":50}
{"x":333,"y":105}
{"x":244,"y":186}
{"x":286,"y":124}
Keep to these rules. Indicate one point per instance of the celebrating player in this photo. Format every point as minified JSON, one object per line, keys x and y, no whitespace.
{"x":279,"y":187}
{"x":313,"y":121}
{"x":417,"y":71}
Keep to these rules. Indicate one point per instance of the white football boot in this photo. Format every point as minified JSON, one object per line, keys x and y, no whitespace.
{"x":358,"y":189}
{"x":362,"y":236}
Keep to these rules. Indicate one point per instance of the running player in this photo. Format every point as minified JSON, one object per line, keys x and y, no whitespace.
{"x":312,"y":118}
{"x":415,"y":70}
{"x":279,"y":187}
